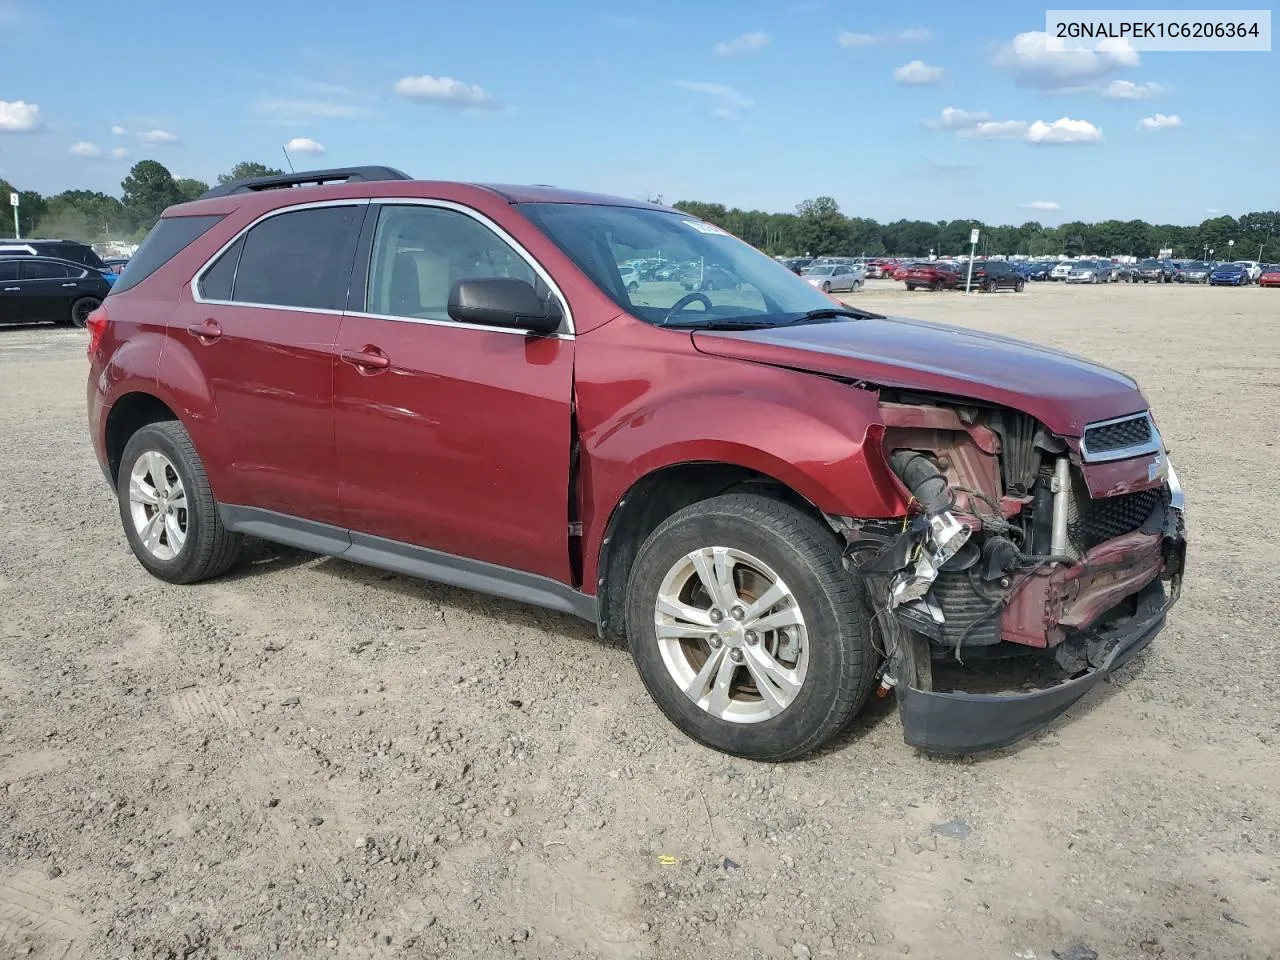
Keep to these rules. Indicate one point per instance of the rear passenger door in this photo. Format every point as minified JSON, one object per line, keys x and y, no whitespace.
{"x":44,"y":292}
{"x":261,"y":328}
{"x":451,"y":436}
{"x":9,"y":290}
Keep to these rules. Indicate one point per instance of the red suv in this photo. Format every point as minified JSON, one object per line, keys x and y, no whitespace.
{"x":782,"y":503}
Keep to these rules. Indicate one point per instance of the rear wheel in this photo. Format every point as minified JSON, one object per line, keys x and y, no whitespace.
{"x":826,"y":287}
{"x":1017,"y":287}
{"x":169,"y":514}
{"x":80,"y":310}
{"x":991,"y":286}
{"x":911,"y":286}
{"x":746,"y":629}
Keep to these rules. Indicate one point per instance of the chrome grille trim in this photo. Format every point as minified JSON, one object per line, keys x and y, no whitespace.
{"x":1152,"y":445}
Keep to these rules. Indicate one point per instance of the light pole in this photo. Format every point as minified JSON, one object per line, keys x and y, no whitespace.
{"x":1231,"y":249}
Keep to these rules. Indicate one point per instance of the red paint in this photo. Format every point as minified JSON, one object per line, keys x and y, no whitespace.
{"x":461,"y":440}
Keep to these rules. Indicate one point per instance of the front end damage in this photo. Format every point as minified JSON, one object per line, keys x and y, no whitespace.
{"x":1028,"y":567}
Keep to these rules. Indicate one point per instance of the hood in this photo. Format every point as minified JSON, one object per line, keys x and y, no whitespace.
{"x":1062,"y":391}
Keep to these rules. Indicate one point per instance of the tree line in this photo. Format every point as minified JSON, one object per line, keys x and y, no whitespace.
{"x":92,"y":216}
{"x":816,"y":227}
{"x":819,"y":227}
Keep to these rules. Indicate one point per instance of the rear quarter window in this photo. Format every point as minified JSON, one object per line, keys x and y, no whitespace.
{"x":166,"y":240}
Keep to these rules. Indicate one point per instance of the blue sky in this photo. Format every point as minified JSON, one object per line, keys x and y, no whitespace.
{"x":927,"y":110}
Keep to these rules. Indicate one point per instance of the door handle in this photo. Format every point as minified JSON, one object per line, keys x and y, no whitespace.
{"x":12,"y":289}
{"x":68,"y":284}
{"x":368,"y":361}
{"x":206,"y":331}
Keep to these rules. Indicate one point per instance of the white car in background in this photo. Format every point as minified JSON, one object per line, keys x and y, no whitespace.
{"x":630,"y":278}
{"x":1062,"y":270}
{"x":1253,"y":267}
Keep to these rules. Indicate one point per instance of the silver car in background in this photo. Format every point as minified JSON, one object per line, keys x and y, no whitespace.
{"x":1090,"y":271}
{"x":835,"y":277}
{"x":1061,"y":271}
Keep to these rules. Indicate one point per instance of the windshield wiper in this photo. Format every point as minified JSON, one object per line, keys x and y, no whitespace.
{"x":831,"y":313}
{"x":724,"y":323}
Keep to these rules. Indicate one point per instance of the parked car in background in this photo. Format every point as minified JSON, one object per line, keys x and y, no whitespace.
{"x":834,"y":277}
{"x":1197,"y":271}
{"x":1090,"y":271}
{"x":1154,"y":271}
{"x":797,"y":264}
{"x":630,"y":278}
{"x":741,"y":489}
{"x":1252,"y":267}
{"x":116,"y":264}
{"x":993,"y":275}
{"x":1229,"y":275}
{"x":1039,"y":269}
{"x":49,"y":290}
{"x":1123,"y":272}
{"x":1061,"y":270}
{"x":933,"y":275}
{"x":72,"y":250}
{"x":1270,"y":275}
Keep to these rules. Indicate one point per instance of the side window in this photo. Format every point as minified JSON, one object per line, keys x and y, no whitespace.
{"x":420,"y":252}
{"x":216,"y":282}
{"x":169,"y":237}
{"x":298,"y":259}
{"x":43,"y":270}
{"x":8,"y":271}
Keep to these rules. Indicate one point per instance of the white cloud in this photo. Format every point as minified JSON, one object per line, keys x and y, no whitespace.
{"x":445,"y":92}
{"x":855,"y":40}
{"x":119,"y":153}
{"x":728,"y":97}
{"x":85,"y":149}
{"x":1128,"y":90}
{"x":117,"y":131}
{"x":159,"y":138}
{"x":953,"y":118}
{"x":305,"y":145}
{"x":917,"y":73}
{"x":1042,"y":205}
{"x":286,"y":110}
{"x":910,"y":35}
{"x":18,"y":116}
{"x":747,"y":43}
{"x":1064,"y":130}
{"x":1034,"y":65}
{"x":1160,"y":122}
{"x":997,"y":130}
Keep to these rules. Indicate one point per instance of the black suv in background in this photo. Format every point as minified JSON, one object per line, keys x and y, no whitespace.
{"x":993,"y":275}
{"x":36,"y":289}
{"x":1157,"y":271}
{"x":72,"y":250}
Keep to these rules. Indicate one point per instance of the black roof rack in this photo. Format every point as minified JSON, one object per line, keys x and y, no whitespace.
{"x":307,"y":178}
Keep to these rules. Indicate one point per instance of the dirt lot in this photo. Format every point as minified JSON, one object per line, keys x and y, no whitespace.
{"x":311,"y":758}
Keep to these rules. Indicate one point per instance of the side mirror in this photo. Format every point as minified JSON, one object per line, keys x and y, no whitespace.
{"x":503,"y":302}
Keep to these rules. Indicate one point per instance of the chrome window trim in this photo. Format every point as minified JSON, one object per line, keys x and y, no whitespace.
{"x":474,"y":214}
{"x":1154,"y":445}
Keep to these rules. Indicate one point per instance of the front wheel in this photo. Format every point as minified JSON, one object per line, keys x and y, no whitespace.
{"x":746,"y":629}
{"x":826,"y":287}
{"x":169,"y":514}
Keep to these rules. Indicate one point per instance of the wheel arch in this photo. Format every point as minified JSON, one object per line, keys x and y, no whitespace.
{"x":128,"y":414}
{"x":652,"y":499}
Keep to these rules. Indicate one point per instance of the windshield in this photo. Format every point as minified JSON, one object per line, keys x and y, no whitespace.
{"x":719,"y":276}
{"x":1149,"y":265}
{"x":1198,"y":265}
{"x":1084,"y":265}
{"x":819,"y":271}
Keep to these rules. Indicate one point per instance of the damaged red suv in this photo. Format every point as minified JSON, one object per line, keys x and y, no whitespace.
{"x":781,"y":503}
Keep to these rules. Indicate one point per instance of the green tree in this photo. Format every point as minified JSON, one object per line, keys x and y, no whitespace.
{"x":148,"y":189}
{"x":191,"y":189}
{"x":822,"y":228}
{"x":84,"y":215}
{"x":247,"y":170}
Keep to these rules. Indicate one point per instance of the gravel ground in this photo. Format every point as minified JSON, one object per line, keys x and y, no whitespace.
{"x":307,"y":757}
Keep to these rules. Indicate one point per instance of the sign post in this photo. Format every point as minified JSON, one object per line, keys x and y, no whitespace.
{"x":13,"y":202}
{"x":973,"y":246}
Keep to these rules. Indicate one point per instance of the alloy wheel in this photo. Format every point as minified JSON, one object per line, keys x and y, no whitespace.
{"x":158,"y":505}
{"x":731,"y":634}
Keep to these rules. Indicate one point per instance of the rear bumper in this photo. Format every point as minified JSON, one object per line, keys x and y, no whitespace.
{"x":959,"y":723}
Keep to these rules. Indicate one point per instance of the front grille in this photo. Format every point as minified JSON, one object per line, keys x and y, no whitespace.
{"x":1095,"y":521}
{"x":1118,"y":435}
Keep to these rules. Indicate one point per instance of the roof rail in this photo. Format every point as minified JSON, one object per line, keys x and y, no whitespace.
{"x":307,"y":178}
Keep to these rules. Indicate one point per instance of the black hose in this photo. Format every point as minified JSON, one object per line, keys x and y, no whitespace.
{"x":922,"y":478}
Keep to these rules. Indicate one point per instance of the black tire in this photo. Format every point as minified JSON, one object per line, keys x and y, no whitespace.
{"x":826,"y":287}
{"x":210,"y":549}
{"x":911,"y":286}
{"x":991,"y":286}
{"x":80,"y":310}
{"x":632,"y":287}
{"x":842,"y":661}
{"x":1018,"y":287}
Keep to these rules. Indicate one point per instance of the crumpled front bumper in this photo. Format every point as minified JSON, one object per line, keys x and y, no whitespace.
{"x":958,"y":723}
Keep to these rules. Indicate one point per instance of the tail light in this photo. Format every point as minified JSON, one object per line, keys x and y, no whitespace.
{"x":96,"y":324}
